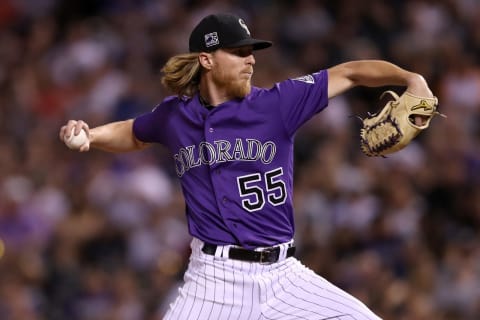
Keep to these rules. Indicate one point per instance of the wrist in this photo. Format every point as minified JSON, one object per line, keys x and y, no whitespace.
{"x":417,"y":85}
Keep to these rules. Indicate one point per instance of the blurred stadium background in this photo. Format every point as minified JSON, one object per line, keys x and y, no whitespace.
{"x":98,"y":236}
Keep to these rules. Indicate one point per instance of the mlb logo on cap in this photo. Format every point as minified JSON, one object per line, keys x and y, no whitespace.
{"x":223,"y":31}
{"x":211,"y":39}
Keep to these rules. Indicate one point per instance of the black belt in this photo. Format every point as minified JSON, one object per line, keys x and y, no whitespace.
{"x":267,"y":255}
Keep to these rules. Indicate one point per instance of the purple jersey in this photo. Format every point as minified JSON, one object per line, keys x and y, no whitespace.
{"x":235,"y":162}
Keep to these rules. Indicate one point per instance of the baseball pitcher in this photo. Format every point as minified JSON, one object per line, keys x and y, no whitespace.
{"x":231,"y":146}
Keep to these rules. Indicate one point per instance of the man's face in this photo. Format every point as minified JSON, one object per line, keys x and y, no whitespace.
{"x":233,"y":70}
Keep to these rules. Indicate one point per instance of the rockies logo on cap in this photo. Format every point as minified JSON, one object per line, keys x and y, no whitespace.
{"x":244,"y":26}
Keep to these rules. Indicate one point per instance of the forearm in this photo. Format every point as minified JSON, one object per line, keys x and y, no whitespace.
{"x":374,"y":73}
{"x":115,"y":137}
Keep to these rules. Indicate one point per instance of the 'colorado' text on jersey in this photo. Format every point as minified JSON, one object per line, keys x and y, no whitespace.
{"x":235,"y":162}
{"x":222,"y":150}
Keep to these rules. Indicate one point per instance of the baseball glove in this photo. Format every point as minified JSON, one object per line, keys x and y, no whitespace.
{"x":397,"y":124}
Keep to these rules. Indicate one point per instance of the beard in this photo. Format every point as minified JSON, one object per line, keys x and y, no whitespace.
{"x":234,"y":87}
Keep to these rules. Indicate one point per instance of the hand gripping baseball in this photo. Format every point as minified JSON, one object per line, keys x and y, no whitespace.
{"x":75,"y":135}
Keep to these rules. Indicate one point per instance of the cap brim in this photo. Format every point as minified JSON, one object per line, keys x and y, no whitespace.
{"x":256,"y":43}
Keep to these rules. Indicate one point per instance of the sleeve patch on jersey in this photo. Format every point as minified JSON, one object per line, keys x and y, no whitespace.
{"x":307,"y":79}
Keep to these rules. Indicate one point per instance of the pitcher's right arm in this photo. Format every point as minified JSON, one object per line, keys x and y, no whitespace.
{"x":112,"y":137}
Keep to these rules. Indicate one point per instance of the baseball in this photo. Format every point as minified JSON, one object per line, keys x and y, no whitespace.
{"x":76,"y":141}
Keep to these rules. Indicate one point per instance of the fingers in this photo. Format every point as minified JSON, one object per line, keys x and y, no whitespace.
{"x":85,"y":147}
{"x":75,"y":126}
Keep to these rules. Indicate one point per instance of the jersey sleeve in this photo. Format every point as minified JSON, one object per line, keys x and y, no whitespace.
{"x":150,"y":127}
{"x":145,"y":126}
{"x":301,"y":98}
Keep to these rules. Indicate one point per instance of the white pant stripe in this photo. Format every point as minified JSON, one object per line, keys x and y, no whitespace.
{"x":277,"y":311}
{"x":225,"y":289}
{"x":304,"y":300}
{"x":288,"y":304}
{"x":336,"y":299}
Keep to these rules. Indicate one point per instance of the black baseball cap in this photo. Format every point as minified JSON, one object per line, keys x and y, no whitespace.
{"x":222,"y":31}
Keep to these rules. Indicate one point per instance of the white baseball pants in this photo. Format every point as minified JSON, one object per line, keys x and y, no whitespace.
{"x":220,"y":288}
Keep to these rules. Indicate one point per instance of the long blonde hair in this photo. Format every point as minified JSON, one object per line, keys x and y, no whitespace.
{"x":181,"y":74}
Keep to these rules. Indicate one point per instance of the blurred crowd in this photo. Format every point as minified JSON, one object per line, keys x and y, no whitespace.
{"x":97,"y":236}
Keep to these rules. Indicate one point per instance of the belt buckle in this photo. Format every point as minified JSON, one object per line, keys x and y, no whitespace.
{"x":266,"y":256}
